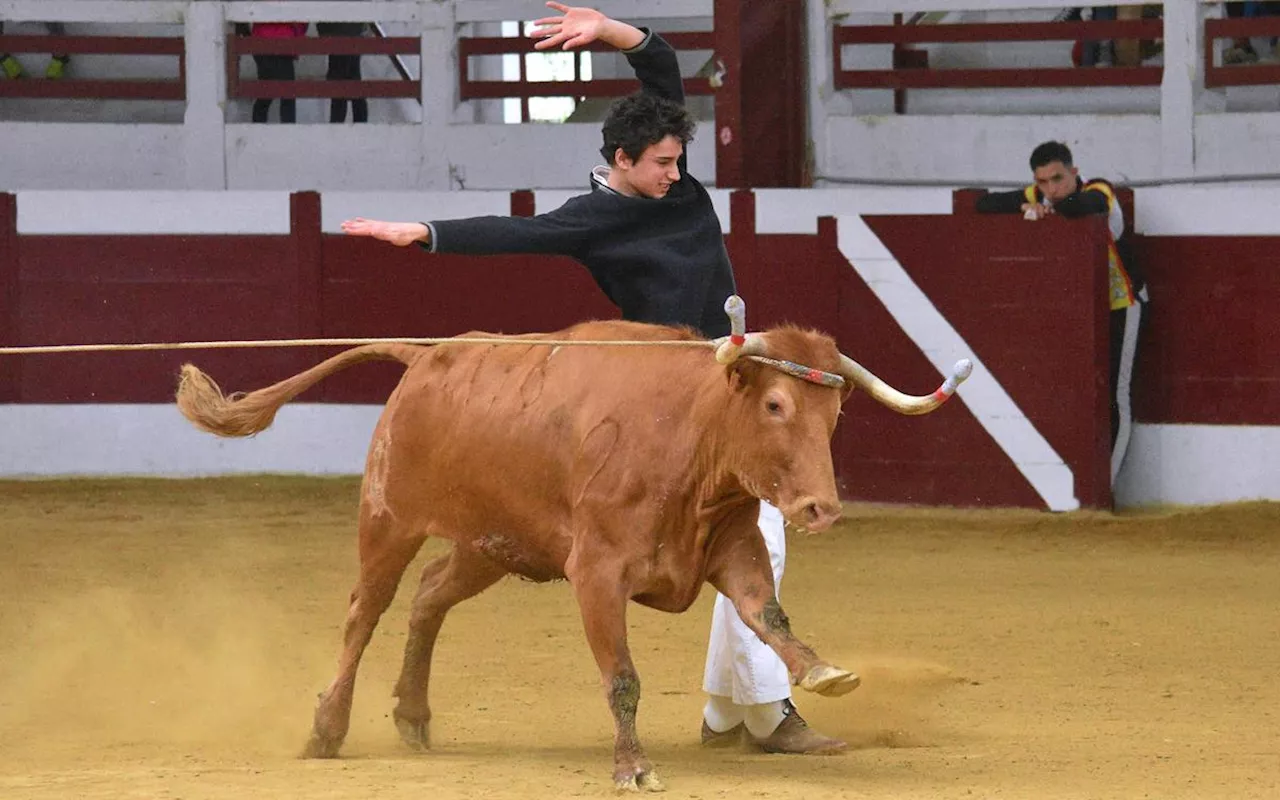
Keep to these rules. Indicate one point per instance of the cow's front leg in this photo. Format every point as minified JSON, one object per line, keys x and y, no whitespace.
{"x":738,"y":567}
{"x":602,"y":598}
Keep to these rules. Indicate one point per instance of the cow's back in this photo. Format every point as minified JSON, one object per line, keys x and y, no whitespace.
{"x":496,"y":444}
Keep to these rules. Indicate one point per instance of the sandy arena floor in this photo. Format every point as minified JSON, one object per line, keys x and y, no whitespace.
{"x":167,"y":639}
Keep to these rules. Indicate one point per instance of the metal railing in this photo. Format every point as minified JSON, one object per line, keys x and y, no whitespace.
{"x":98,"y":88}
{"x":988,"y":78}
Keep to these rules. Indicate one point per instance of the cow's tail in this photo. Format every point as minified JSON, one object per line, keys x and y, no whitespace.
{"x":202,"y":402}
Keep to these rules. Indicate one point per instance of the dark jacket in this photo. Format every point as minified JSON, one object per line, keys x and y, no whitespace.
{"x":658,"y":260}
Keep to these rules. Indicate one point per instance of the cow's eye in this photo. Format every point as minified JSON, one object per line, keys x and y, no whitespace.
{"x":773,"y":406}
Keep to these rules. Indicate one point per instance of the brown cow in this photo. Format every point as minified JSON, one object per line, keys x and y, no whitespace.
{"x":633,"y":472}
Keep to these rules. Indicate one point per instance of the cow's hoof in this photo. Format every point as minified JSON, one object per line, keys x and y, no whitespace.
{"x":829,"y":681}
{"x":414,"y":733}
{"x":644,"y":782}
{"x":319,"y":746}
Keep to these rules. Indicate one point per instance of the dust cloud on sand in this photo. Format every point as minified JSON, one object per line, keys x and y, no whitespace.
{"x":164,"y":639}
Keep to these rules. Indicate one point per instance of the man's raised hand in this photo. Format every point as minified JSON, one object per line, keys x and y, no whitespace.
{"x":577,"y":27}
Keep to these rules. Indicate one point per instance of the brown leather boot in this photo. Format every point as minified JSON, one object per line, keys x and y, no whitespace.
{"x":714,"y":738}
{"x":793,"y":735}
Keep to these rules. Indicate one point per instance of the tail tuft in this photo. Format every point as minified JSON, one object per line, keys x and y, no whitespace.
{"x":203,"y":404}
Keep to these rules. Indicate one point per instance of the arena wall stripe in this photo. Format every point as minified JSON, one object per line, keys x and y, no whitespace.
{"x":798,"y":210}
{"x":154,"y":440}
{"x":1207,"y":211}
{"x":138,"y":213}
{"x":550,"y":199}
{"x":994,"y":409}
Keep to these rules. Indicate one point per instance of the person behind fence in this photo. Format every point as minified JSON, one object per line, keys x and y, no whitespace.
{"x":57,"y":67}
{"x":650,"y":237}
{"x":1241,"y":50}
{"x":1120,"y":52}
{"x":1058,"y":190}
{"x":344,"y":67}
{"x":276,"y":67}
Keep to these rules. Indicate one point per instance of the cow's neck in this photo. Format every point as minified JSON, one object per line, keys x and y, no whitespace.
{"x":712,"y":425}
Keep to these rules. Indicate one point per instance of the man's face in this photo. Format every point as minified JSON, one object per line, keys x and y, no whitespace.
{"x":654,"y":172}
{"x":1055,"y":180}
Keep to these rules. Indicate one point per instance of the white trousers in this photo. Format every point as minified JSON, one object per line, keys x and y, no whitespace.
{"x":739,"y":665}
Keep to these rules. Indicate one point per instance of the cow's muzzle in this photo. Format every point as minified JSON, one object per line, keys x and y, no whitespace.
{"x":813,"y":513}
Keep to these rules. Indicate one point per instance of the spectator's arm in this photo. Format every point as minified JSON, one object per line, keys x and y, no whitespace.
{"x":1001,"y":202}
{"x":1092,"y":200}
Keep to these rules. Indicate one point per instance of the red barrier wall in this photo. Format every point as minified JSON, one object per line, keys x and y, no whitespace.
{"x":1023,"y":298}
{"x":1210,"y":353}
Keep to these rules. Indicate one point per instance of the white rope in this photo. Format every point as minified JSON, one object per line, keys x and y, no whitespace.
{"x":255,"y":343}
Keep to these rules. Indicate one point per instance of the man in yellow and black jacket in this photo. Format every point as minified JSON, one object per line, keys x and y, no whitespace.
{"x":1058,"y":189}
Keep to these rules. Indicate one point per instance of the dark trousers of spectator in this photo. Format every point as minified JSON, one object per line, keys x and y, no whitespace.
{"x":275,"y":68}
{"x":54,"y":29}
{"x":1126,"y":325}
{"x":346,"y":68}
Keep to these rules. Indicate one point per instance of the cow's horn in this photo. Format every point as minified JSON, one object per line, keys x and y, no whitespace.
{"x":738,"y":343}
{"x":728,"y":351}
{"x":904,"y":403}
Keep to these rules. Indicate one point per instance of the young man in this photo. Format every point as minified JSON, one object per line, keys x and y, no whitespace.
{"x":650,"y":237}
{"x":1058,"y":189}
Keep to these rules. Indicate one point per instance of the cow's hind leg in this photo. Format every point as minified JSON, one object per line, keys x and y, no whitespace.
{"x":446,"y":581}
{"x":738,"y":567}
{"x":386,"y":548}
{"x":602,"y":598}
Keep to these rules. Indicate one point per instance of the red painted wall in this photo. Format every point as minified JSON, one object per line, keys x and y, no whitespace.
{"x":1211,"y":349}
{"x":1017,"y":294}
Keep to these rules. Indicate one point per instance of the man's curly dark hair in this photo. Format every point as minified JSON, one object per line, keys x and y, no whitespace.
{"x":642,"y":119}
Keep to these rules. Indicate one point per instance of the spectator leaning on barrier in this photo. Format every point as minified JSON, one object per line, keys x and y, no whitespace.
{"x":57,"y":63}
{"x":344,"y":68}
{"x":276,"y":67}
{"x":1058,"y":189}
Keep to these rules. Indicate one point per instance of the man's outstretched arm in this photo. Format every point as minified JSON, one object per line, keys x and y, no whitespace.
{"x":560,"y":232}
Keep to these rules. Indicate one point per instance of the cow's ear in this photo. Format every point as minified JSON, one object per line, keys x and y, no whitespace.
{"x":740,"y":374}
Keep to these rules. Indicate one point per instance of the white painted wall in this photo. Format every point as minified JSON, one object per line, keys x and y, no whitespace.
{"x":971,"y":150}
{"x":67,"y":440}
{"x":92,"y":155}
{"x":1166,"y":464}
{"x":1209,"y":210}
{"x":1199,"y":465}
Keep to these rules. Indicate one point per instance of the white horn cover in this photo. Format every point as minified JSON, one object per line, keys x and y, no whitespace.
{"x":727,"y":352}
{"x":904,"y":403}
